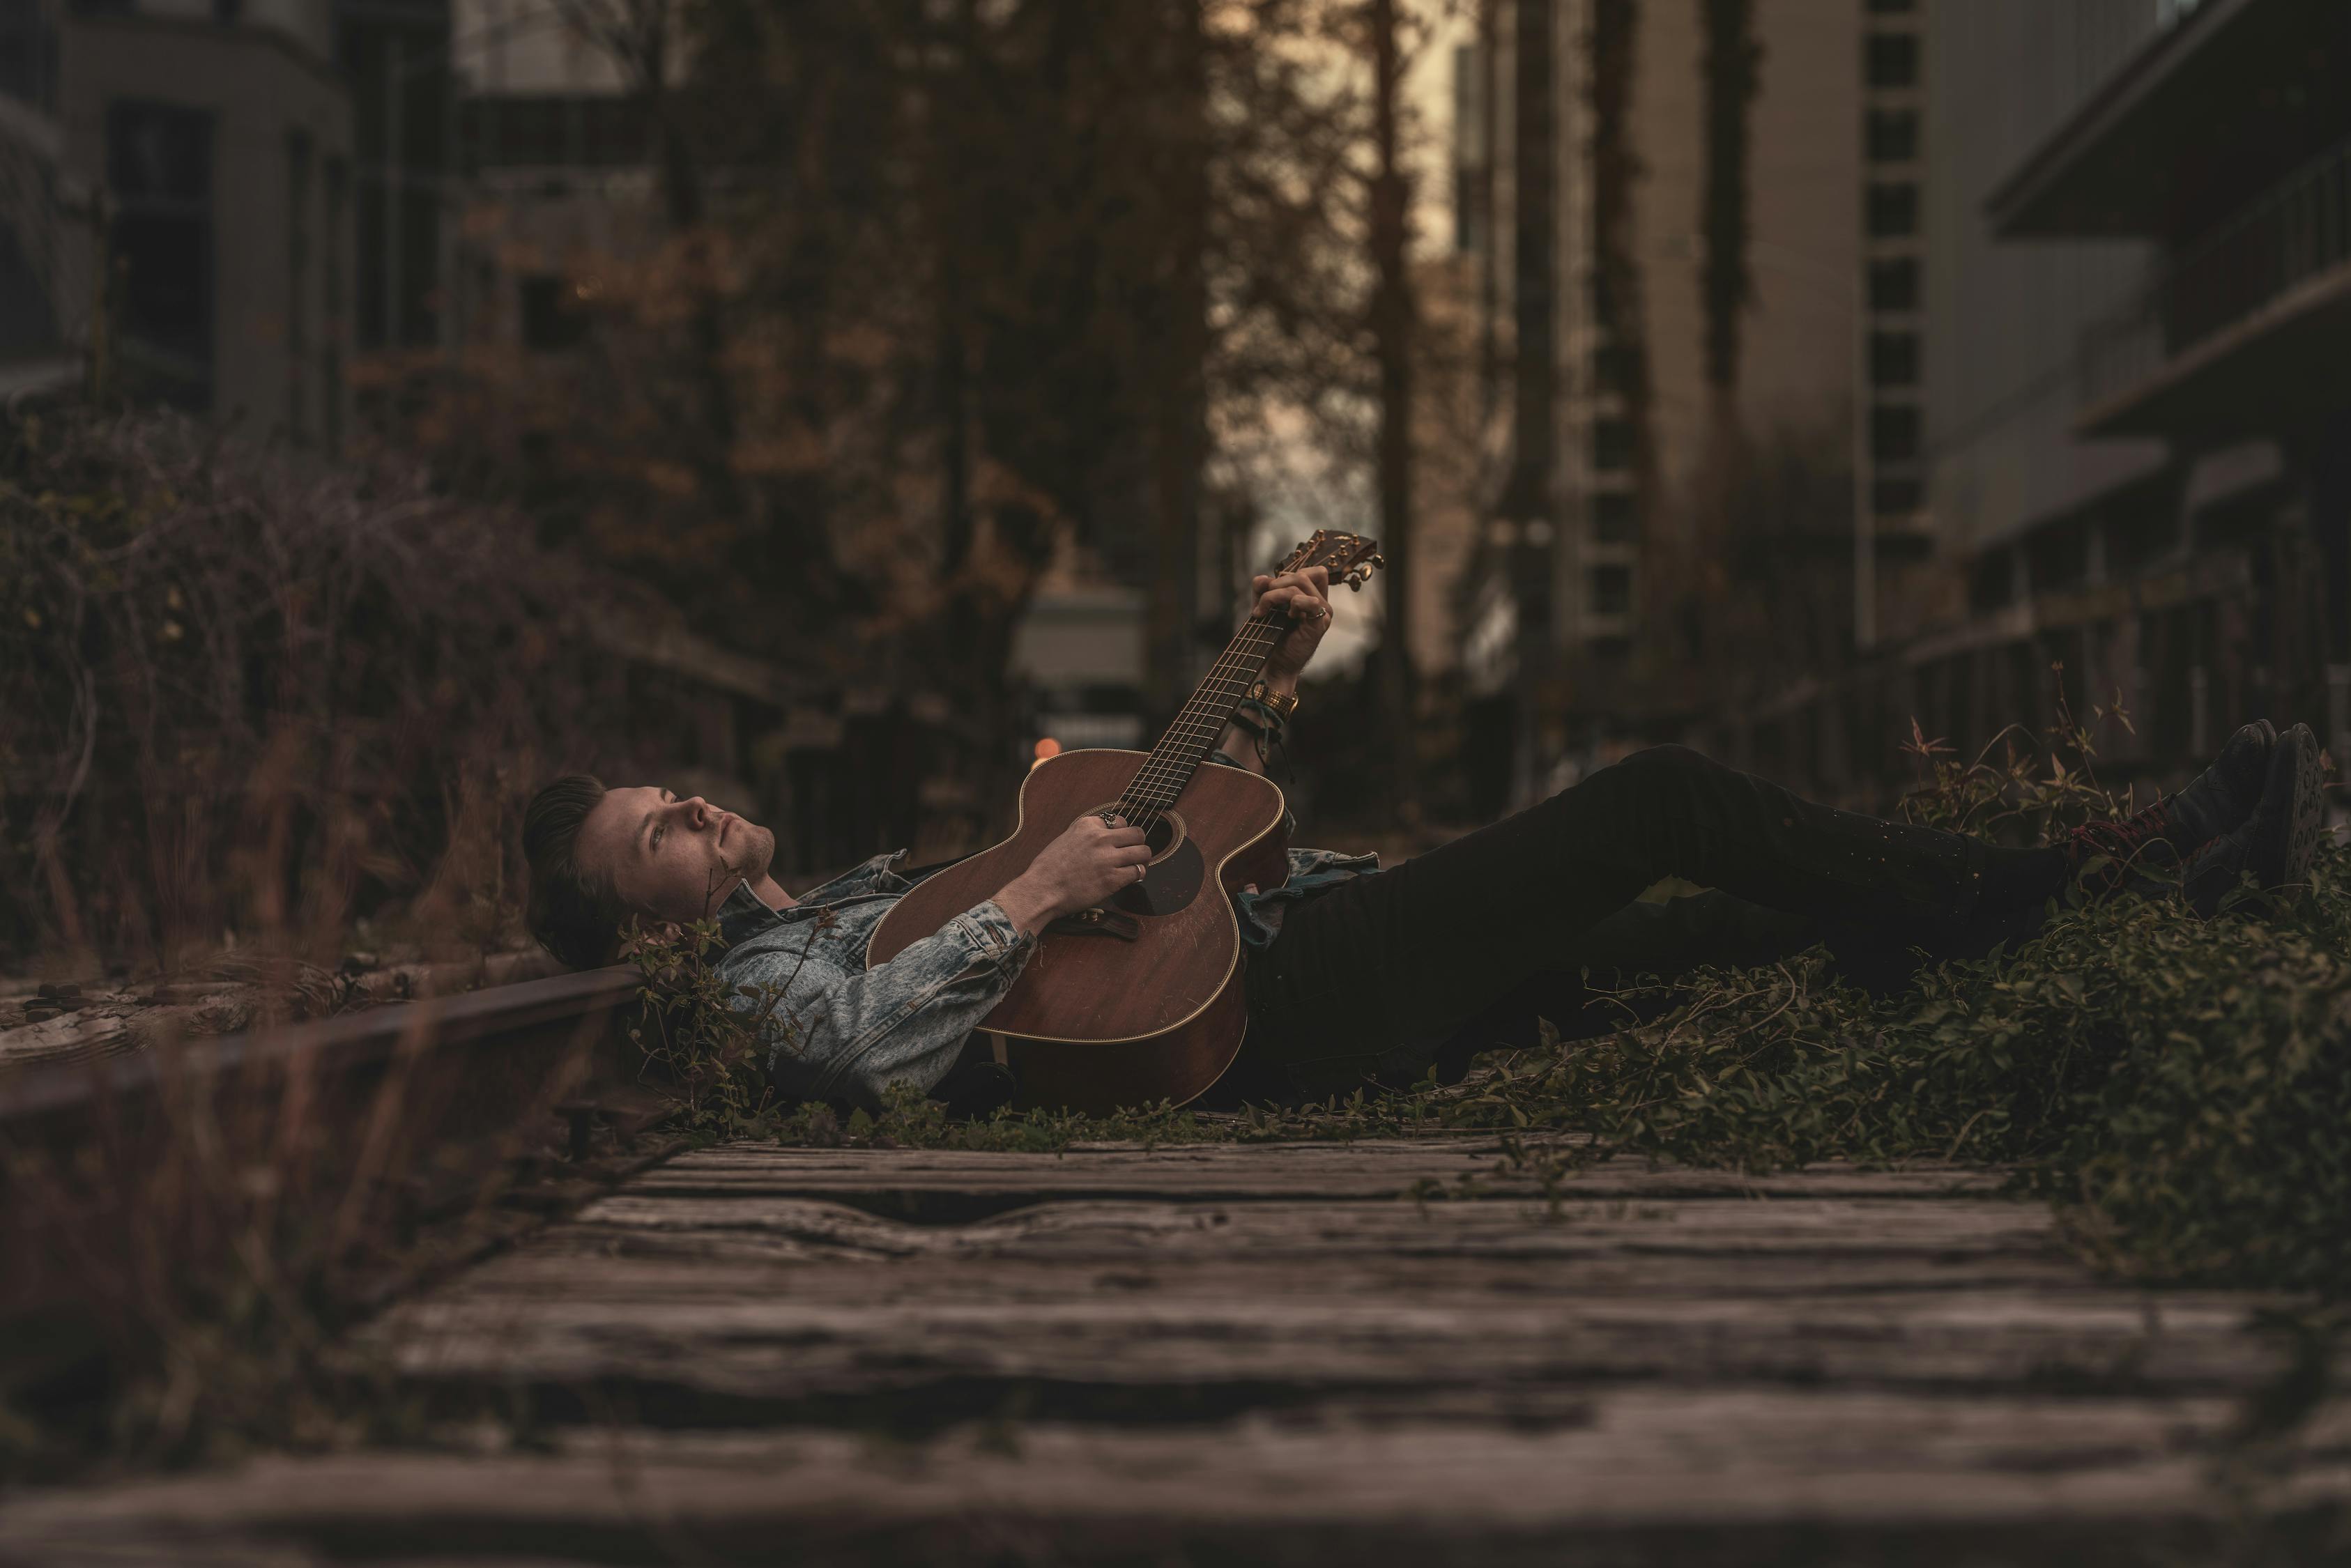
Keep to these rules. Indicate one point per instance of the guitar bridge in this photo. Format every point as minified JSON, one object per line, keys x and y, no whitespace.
{"x":1097,"y":922}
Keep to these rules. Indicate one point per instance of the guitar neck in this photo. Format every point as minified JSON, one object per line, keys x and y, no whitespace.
{"x":1189,"y":740}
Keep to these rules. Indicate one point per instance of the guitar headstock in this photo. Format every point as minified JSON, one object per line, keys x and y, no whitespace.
{"x":1351,"y":558}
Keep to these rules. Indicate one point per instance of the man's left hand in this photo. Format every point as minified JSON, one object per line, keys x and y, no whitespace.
{"x":1306,"y":597}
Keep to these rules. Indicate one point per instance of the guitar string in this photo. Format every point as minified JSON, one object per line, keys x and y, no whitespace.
{"x":1209,"y":710}
{"x":1148,"y":792}
{"x":1199,"y":722}
{"x":1165,"y":763}
{"x":1224,"y":685}
{"x":1186,"y":743}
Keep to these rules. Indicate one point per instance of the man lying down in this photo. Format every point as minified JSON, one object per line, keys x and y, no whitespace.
{"x":1358,"y":976}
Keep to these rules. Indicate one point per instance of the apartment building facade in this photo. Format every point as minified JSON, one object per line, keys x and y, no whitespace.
{"x":179,"y":204}
{"x":2218,"y":585}
{"x":2135,"y":306}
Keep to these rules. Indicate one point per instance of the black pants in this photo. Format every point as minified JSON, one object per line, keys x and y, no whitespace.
{"x":1462,"y":948}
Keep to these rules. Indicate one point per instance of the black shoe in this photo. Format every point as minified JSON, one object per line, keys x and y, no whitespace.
{"x":2170,"y":832}
{"x":2224,"y":795}
{"x":2276,"y":844}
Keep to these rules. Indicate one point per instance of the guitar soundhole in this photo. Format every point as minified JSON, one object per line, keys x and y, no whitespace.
{"x":1172,"y":881}
{"x":1169,"y":883}
{"x":1161,"y":837}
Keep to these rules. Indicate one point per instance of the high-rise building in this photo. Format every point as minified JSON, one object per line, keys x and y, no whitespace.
{"x":1687,"y":222}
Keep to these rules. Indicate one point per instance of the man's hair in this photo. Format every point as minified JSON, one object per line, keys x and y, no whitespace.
{"x":574,"y":913}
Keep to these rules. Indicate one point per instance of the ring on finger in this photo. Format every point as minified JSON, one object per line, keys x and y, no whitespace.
{"x":1140,"y":871}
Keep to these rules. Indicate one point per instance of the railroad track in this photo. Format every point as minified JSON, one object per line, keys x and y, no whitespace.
{"x":372,"y":1133}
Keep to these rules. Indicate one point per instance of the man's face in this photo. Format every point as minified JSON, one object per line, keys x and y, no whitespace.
{"x":672,"y":859}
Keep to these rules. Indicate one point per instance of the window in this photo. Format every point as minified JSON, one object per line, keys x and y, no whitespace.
{"x":1894,"y":284}
{"x":1894,"y":497}
{"x":1893,"y":359}
{"x":159,"y":165}
{"x":1614,"y":519}
{"x":1468,"y":106}
{"x":549,"y":322}
{"x":1612,"y":445}
{"x":1611,"y":590}
{"x":1893,"y":211}
{"x":27,"y":325}
{"x":1991,"y":581}
{"x":2058,"y":556}
{"x":1604,"y":300}
{"x":1611,"y":368}
{"x":29,"y":54}
{"x":1892,"y":59}
{"x":1466,"y":235}
{"x":1893,"y":135}
{"x":532,"y":129}
{"x":1893,"y":433}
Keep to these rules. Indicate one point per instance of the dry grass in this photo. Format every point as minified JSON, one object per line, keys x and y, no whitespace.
{"x":246,"y":701}
{"x":254,"y":713}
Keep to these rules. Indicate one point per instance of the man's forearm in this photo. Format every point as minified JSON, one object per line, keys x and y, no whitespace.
{"x":1029,"y":908}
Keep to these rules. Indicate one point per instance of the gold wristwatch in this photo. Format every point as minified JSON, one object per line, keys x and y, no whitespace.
{"x":1283,"y":703}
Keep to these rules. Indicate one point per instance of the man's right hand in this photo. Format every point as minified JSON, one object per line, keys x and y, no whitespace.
{"x":1091,"y":860}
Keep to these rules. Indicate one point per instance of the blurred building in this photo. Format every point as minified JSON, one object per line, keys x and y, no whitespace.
{"x":204,"y":151}
{"x":1682,"y":204}
{"x":395,"y":56}
{"x":556,"y":156}
{"x":2175,"y":522}
{"x":2131,"y":312}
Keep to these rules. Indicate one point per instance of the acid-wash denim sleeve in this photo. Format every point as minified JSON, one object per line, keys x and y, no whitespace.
{"x":846,"y":1032}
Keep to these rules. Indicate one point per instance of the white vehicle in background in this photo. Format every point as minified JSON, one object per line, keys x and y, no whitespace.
{"x":1079,"y":648}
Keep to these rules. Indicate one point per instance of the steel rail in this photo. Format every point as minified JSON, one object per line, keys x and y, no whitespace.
{"x":346,"y":1043}
{"x":358,"y":1127}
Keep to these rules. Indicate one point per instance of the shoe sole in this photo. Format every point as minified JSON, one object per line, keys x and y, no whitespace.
{"x":2293,"y":806}
{"x":2309,"y":813}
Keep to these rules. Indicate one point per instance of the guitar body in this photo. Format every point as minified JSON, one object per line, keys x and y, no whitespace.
{"x":1141,"y":999}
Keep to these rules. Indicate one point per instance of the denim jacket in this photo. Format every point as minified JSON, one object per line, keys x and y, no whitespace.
{"x":844,"y":1029}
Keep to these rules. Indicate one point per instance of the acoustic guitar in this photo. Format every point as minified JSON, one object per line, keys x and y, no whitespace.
{"x":1138,"y":999}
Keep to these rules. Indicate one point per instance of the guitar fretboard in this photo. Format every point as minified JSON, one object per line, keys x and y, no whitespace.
{"x":1163,"y":776}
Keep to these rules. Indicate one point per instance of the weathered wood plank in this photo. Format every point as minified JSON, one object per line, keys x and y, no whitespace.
{"x":989,"y":1182}
{"x":768,"y":1305}
{"x":753,"y":1359}
{"x":1646,"y":1475}
{"x":1810,"y":1246}
{"x":1266,"y":1355}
